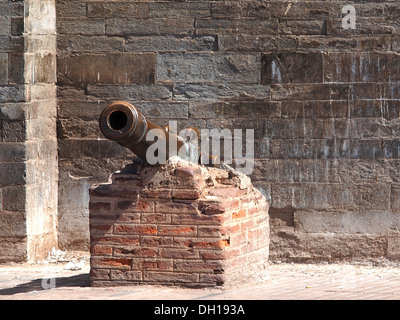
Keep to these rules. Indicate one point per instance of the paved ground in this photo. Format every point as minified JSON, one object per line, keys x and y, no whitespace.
{"x":286,"y":282}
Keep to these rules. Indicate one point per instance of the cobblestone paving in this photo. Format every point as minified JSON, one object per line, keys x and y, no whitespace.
{"x":286,"y":282}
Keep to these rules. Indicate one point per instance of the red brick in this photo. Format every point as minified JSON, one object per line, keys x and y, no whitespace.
{"x":109,"y":191}
{"x":155,"y":241}
{"x":199,"y":266}
{"x":135,"y":206}
{"x":156,"y":193}
{"x":101,"y":250}
{"x":172,"y":277}
{"x":213,"y":255}
{"x":231,"y":228}
{"x":104,"y":216}
{"x":188,"y":172}
{"x":99,"y":274}
{"x":155,"y":218}
{"x":201,"y":242}
{"x":135,"y":229}
{"x":177,"y":230}
{"x":237,"y":239}
{"x":239,"y":214}
{"x":126,"y":239}
{"x":216,"y":219}
{"x":111,"y":262}
{"x":211,"y":231}
{"x":129,"y":217}
{"x":99,"y":206}
{"x":255,"y":211}
{"x":179,"y":254}
{"x":100,"y":229}
{"x":256,"y":233}
{"x":135,"y":251}
{"x":128,"y":275}
{"x":232,"y":252}
{"x":186,"y":194}
{"x":176,"y":207}
{"x":156,"y":265}
{"x":217,"y":279}
{"x":217,"y":206}
{"x":247,"y":224}
{"x":224,"y":192}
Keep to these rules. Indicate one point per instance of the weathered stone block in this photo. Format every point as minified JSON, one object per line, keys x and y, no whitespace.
{"x":255,"y":43}
{"x":292,"y":67}
{"x":3,"y":68}
{"x":236,"y":26}
{"x":12,"y":152}
{"x":188,"y":67}
{"x":327,"y":247}
{"x":81,"y":43}
{"x":12,"y":224}
{"x":126,"y":92}
{"x":364,"y":222}
{"x":112,"y":68}
{"x":40,"y":68}
{"x":40,"y":17}
{"x":10,"y":194}
{"x":118,"y":9}
{"x":364,"y":26}
{"x":302,"y":27}
{"x":64,"y":8}
{"x":360,"y":67}
{"x":16,"y":68}
{"x":12,"y":174}
{"x":5,"y":26}
{"x":170,"y":43}
{"x":12,"y":131}
{"x":12,"y":9}
{"x":93,"y":26}
{"x":238,"y":9}
{"x":190,"y":9}
{"x":214,"y":91}
{"x":143,"y":27}
{"x":316,"y":9}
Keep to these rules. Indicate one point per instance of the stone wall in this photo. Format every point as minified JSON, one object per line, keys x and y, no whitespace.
{"x":323,"y":100}
{"x":28,"y":142}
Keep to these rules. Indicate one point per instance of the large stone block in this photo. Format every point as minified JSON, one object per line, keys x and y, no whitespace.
{"x":206,"y":67}
{"x":81,"y":43}
{"x":111,"y":68}
{"x":170,"y":43}
{"x":143,"y":27}
{"x":130,"y":93}
{"x":240,"y":9}
{"x":236,"y":26}
{"x":292,"y":67}
{"x":361,"y":67}
{"x":192,"y":9}
{"x":3,"y":68}
{"x":92,"y":26}
{"x":118,"y":9}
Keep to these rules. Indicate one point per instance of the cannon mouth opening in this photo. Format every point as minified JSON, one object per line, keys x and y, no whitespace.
{"x":117,"y":120}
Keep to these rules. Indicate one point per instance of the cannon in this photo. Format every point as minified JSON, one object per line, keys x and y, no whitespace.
{"x":120,"y":121}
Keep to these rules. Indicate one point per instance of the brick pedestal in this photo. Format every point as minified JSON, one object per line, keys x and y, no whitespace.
{"x":178,"y":224}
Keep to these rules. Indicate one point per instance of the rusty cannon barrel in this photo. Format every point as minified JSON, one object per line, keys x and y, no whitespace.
{"x":120,"y":121}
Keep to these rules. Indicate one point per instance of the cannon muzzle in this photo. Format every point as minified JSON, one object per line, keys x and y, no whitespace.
{"x":122,"y":122}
